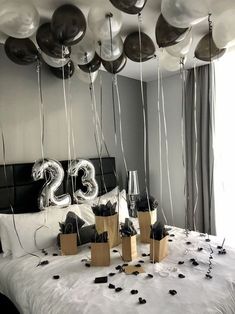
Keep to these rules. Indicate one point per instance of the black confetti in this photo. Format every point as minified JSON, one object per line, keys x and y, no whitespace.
{"x":111,"y":286}
{"x":153,"y":262}
{"x":223,"y":251}
{"x":173,"y":292}
{"x":150,"y":276}
{"x":118,"y":289}
{"x":195,"y":263}
{"x":134,"y":291}
{"x":84,"y":260}
{"x":144,"y":254}
{"x":112,"y":274}
{"x":170,"y":240}
{"x":148,"y":254}
{"x":140,"y":261}
{"x":43,"y":263}
{"x":219,"y":247}
{"x":88,"y":265}
{"x":181,"y":276}
{"x":136,"y":273}
{"x":124,"y":265}
{"x":137,"y":265}
{"x":208,"y":240}
{"x":56,"y":277}
{"x":188,"y":243}
{"x":55,"y":254}
{"x":118,"y":267}
{"x":192,"y":259}
{"x":199,"y":249}
{"x":181,"y":262}
{"x":208,"y":276}
{"x":142,"y":301}
{"x":115,"y":251}
{"x":172,"y":235}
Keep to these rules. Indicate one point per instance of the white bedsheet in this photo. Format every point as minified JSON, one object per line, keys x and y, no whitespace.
{"x":34,"y":291}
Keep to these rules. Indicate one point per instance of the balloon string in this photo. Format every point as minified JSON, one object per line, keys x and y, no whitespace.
{"x":144,"y":113}
{"x":67,"y":114}
{"x":98,"y":142}
{"x":41,"y":108}
{"x":72,"y":139}
{"x":120,"y":121}
{"x":167,"y":150}
{"x":160,"y":139}
{"x":183,"y":145}
{"x":196,"y":147}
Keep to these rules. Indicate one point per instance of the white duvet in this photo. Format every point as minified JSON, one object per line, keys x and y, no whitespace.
{"x":34,"y":291}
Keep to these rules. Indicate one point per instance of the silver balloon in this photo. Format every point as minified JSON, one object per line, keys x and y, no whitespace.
{"x":54,"y":62}
{"x":169,"y":62}
{"x":53,"y":172}
{"x":223,"y":31}
{"x":183,"y":13}
{"x":104,"y":18}
{"x":84,"y":51}
{"x":110,"y":50}
{"x":88,"y":180}
{"x":18,"y":18}
{"x":86,"y":77}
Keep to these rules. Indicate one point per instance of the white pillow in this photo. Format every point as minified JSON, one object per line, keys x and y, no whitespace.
{"x":5,"y":241}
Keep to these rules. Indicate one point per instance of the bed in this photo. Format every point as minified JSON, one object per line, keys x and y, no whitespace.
{"x":35,"y":289}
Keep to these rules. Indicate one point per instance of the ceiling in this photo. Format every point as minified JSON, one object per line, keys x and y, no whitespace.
{"x":150,"y":15}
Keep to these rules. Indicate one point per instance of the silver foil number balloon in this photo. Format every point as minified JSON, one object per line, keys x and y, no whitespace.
{"x":88,"y":180}
{"x":53,"y":172}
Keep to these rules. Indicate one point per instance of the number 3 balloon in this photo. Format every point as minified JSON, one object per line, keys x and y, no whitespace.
{"x":55,"y":171}
{"x":88,"y":179}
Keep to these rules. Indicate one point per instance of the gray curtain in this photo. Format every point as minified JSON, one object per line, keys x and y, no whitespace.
{"x":201,"y":81}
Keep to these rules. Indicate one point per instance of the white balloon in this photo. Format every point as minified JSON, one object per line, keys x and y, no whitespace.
{"x":54,"y":62}
{"x":169,"y":62}
{"x":84,"y":51}
{"x":100,"y":23}
{"x":84,"y":76}
{"x":183,"y":13}
{"x":182,"y":48}
{"x":18,"y":18}
{"x":110,"y":50}
{"x":223,"y":31}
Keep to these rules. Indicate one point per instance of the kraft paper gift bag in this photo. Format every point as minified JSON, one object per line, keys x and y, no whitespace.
{"x":146,"y":219}
{"x":111,"y":225}
{"x":158,"y":249}
{"x":158,"y":242}
{"x":100,"y":250}
{"x":68,"y":244}
{"x":129,"y":248}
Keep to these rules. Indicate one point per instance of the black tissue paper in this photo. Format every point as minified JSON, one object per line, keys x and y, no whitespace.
{"x":158,"y":231}
{"x":127,"y":228}
{"x":105,"y":210}
{"x":143,"y":204}
{"x":99,"y":237}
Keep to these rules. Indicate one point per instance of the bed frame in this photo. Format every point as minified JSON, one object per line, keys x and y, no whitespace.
{"x":18,"y":188}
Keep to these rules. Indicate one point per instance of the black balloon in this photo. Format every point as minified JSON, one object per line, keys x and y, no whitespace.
{"x":68,"y":70}
{"x":129,"y":6}
{"x":21,"y":51}
{"x":68,"y":24}
{"x":168,"y":35}
{"x":115,"y":66}
{"x":92,"y":66}
{"x":132,"y":47}
{"x":206,"y":49}
{"x":48,"y":44}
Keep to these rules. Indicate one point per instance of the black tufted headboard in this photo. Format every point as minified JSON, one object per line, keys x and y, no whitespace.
{"x":22,"y":192}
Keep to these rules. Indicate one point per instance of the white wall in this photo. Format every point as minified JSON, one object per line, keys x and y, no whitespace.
{"x":172,"y":92}
{"x":19,"y":111}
